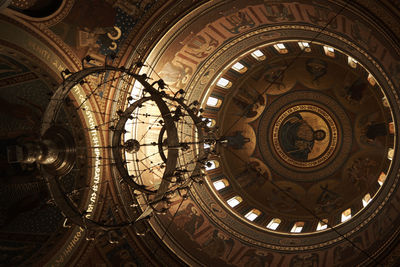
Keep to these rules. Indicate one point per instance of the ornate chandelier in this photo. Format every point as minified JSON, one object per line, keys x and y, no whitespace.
{"x":156,"y":167}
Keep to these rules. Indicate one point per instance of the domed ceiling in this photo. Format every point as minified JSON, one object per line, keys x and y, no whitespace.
{"x":306,"y":120}
{"x":309,"y":144}
{"x":302,"y":97}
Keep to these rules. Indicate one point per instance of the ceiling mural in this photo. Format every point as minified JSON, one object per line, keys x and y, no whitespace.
{"x":299,"y":105}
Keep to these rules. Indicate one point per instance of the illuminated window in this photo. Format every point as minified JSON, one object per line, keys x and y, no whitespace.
{"x":137,"y":90}
{"x":252,"y":215}
{"x":329,"y":51}
{"x":352,"y":62}
{"x":233,"y":202}
{"x":366,"y":199}
{"x":305,"y":46}
{"x":346,"y":215}
{"x":214,"y":102}
{"x":382,"y":178}
{"x":220,"y":184}
{"x":211,"y":165}
{"x":224,"y":83}
{"x":210,"y":122}
{"x":390,"y":153}
{"x":239,"y":67}
{"x":371,"y":79}
{"x":322,"y":225}
{"x":281,"y":48}
{"x":274,"y":223}
{"x":258,"y":55}
{"x":297,"y":227}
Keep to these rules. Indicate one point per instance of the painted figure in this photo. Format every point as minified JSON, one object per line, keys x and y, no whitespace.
{"x":297,"y":137}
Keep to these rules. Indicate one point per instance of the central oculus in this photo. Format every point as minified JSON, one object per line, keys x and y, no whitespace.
{"x":304,"y":136}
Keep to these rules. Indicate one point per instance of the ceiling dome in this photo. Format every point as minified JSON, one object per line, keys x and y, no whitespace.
{"x":309,"y":136}
{"x":307,"y":116}
{"x":299,"y":165}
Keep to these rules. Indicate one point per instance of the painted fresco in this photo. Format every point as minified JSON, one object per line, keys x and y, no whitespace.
{"x":103,"y":33}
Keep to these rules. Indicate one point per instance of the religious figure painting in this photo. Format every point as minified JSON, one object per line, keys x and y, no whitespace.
{"x":301,"y":136}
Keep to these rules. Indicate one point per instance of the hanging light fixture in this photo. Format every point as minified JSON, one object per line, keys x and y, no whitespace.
{"x":175,"y":156}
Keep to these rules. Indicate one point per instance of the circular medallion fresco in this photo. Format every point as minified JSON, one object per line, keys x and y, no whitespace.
{"x":304,"y":136}
{"x":302,"y":132}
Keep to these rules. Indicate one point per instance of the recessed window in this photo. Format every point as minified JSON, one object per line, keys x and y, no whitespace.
{"x":346,"y":215}
{"x":274,"y":223}
{"x":366,"y":199}
{"x":305,"y":46}
{"x":390,"y":153}
{"x":382,"y":178}
{"x":257,"y":54}
{"x":220,"y":184}
{"x":137,"y":90}
{"x":252,"y":215}
{"x":211,"y":165}
{"x":371,"y":79}
{"x":239,"y":67}
{"x":210,"y":122}
{"x":233,"y":202}
{"x":329,"y":51}
{"x":281,"y":48}
{"x":352,"y":62}
{"x":297,"y":227}
{"x":214,"y":102}
{"x":224,"y":83}
{"x":322,"y":225}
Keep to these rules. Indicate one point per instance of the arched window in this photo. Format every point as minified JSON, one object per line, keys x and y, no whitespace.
{"x":220,"y":184}
{"x":352,"y":62}
{"x":322,"y":225}
{"x":281,"y":48}
{"x":233,"y":202}
{"x":274,"y":223}
{"x":329,"y":51}
{"x":210,"y":122}
{"x":371,"y":79}
{"x":346,"y":215}
{"x":305,"y":46}
{"x":382,"y":178}
{"x":239,"y":67}
{"x":252,"y":215}
{"x":366,"y":199}
{"x":390,"y":154}
{"x":224,"y":83}
{"x":211,"y":165}
{"x":257,"y":54}
{"x":297,"y":227}
{"x":214,"y":102}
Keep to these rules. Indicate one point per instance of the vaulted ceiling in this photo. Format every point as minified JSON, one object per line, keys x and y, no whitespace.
{"x":303,"y":93}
